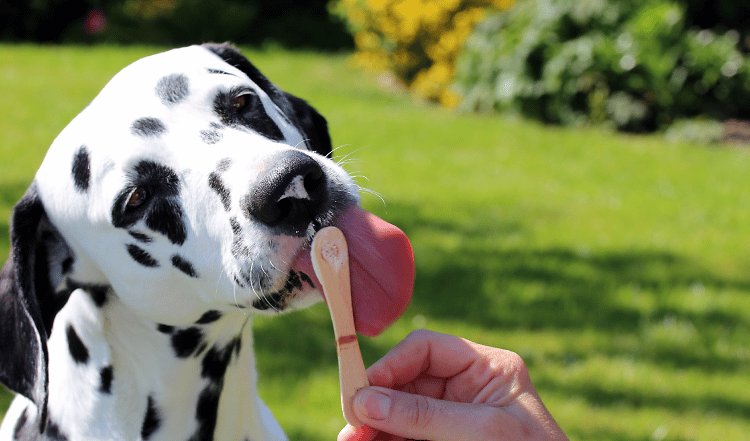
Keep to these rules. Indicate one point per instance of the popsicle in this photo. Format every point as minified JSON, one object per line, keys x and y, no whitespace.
{"x":330,"y":257}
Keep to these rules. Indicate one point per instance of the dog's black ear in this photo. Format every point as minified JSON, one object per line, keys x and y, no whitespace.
{"x":312,"y":124}
{"x":28,"y":303}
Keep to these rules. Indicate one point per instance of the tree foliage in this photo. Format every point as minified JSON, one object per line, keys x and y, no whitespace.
{"x":632,"y":63}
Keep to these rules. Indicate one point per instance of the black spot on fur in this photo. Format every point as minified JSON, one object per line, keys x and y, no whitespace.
{"x":142,"y":256}
{"x":28,"y":427}
{"x":78,"y":350}
{"x":53,"y":432}
{"x":141,"y":237}
{"x":305,"y":278}
{"x":275,"y":300}
{"x":239,"y":282}
{"x":106,"y":376}
{"x":223,"y":165}
{"x":99,"y":294}
{"x":152,"y":419}
{"x":67,"y":265}
{"x":236,"y":227}
{"x":211,"y":136}
{"x":217,"y":185}
{"x":209,"y":317}
{"x":216,"y":361}
{"x":206,"y":412}
{"x":239,"y":249}
{"x":82,"y":170}
{"x":148,"y":127}
{"x":294,"y":281}
{"x":172,"y":89}
{"x":218,"y":71}
{"x":236,"y":345}
{"x":18,"y":429}
{"x":215,"y":364}
{"x":162,"y":210}
{"x":183,"y":265}
{"x":166,"y":218}
{"x":185,"y":342}
{"x":165,"y":329}
{"x":269,"y":301}
{"x":252,"y":115}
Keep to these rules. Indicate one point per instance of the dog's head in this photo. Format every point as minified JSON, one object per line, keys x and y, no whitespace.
{"x":192,"y":181}
{"x":189,"y":184}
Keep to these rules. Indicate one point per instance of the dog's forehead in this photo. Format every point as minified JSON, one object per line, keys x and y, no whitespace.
{"x":166,"y":95}
{"x":163,"y":77}
{"x":161,"y":107}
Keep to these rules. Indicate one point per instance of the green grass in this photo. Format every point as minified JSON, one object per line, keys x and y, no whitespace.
{"x":618,"y":267}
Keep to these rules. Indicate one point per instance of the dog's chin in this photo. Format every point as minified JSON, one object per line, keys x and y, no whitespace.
{"x":286,"y":287}
{"x":294,"y":286}
{"x":296,"y":291}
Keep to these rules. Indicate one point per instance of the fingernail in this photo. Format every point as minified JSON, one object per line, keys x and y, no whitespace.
{"x":375,"y":405}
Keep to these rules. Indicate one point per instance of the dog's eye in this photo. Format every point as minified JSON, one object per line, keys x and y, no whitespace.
{"x":240,"y":102}
{"x":137,"y":198}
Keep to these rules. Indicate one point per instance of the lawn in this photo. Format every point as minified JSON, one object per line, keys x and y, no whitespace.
{"x":617,"y":266}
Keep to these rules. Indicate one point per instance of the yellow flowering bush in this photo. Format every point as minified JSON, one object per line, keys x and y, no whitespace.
{"x":418,"y":40}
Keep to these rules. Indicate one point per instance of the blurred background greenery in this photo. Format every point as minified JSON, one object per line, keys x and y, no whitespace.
{"x":614,"y":263}
{"x":635,"y":65}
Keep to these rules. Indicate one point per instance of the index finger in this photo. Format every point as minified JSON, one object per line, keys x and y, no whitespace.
{"x":424,"y":352}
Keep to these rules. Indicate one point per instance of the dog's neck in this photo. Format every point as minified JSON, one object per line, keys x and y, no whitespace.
{"x":144,"y":380}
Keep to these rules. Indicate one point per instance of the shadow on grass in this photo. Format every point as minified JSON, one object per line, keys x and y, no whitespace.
{"x":547,"y":288}
{"x":596,"y":395}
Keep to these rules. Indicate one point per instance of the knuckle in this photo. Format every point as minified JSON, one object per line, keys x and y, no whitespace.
{"x":419,"y":334}
{"x":513,"y":366}
{"x":420,"y":412}
{"x":516,"y":363}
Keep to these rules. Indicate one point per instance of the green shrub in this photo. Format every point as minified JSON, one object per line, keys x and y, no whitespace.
{"x":630,"y":63}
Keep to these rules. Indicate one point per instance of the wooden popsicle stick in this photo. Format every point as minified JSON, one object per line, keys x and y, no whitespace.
{"x":330,"y":258}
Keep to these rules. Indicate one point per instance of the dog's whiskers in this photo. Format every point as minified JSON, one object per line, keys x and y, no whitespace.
{"x":344,"y":162}
{"x":330,"y":155}
{"x":374,"y":193}
{"x":346,"y":157}
{"x":355,"y":176}
{"x":270,"y":262}
{"x":301,"y":142}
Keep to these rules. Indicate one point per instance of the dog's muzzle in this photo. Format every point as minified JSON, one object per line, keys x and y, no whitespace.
{"x":289,"y":194}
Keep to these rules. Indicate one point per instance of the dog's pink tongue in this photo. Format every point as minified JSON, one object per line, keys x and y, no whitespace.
{"x":381,"y":263}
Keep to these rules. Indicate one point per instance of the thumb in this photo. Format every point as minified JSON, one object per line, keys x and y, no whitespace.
{"x":418,"y":417}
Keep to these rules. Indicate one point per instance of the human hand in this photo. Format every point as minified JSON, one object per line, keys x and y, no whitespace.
{"x":439,"y":387}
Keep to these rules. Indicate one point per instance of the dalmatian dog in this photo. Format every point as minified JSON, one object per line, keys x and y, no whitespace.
{"x":178,"y":205}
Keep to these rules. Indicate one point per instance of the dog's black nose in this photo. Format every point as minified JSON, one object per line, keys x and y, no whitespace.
{"x":288,"y":194}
